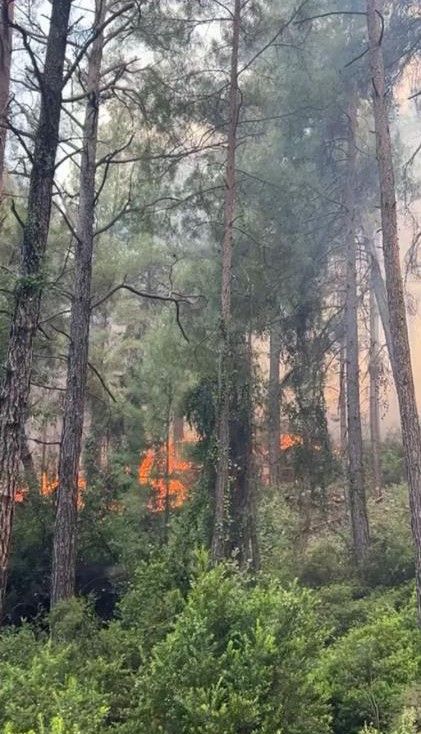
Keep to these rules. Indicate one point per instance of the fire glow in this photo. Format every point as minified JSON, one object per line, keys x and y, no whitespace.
{"x":166,"y":475}
{"x":169,"y":477}
{"x":49,"y":486}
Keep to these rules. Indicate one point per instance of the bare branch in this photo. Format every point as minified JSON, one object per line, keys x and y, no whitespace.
{"x":153,"y":296}
{"x":97,"y":31}
{"x":124,"y":210}
{"x":327,"y":15}
{"x":102,"y":381}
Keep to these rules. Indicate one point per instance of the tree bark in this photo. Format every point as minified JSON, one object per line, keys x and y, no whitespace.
{"x":178,"y":434}
{"x":343,"y":422}
{"x":28,"y":290}
{"x":357,"y":499}
{"x":241,"y":534}
{"x":27,"y":462}
{"x":379,"y":287}
{"x":167,"y":473}
{"x":402,"y":368}
{"x":223,"y":432}
{"x":342,"y":401}
{"x":7,"y":10}
{"x":65,"y":540}
{"x":374,"y":374}
{"x":274,"y":405}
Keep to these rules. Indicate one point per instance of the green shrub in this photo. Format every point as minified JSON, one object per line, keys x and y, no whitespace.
{"x":392,"y":458}
{"x":278,"y":528}
{"x":326,"y":561}
{"x":56,"y":726}
{"x":391,"y":556}
{"x":370,"y":669}
{"x":240,"y":659}
{"x":46,"y":683}
{"x":406,"y":724}
{"x":151,"y":604}
{"x":342,"y":606}
{"x":69,"y":683}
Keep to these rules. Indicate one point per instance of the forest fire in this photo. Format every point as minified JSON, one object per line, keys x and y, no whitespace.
{"x":169,"y":477}
{"x":288,"y":441}
{"x":49,"y":486}
{"x":166,"y":475}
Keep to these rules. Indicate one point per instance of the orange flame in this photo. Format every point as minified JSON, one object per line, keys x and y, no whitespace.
{"x":288,"y":441}
{"x":168,"y":481}
{"x":48,"y":487}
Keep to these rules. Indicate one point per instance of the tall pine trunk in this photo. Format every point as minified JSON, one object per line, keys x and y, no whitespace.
{"x":374,"y":374}
{"x":357,"y":499}
{"x":167,"y":470}
{"x":7,"y":12}
{"x":342,"y":401}
{"x":242,"y":535}
{"x":222,"y":485}
{"x":402,"y":368}
{"x":274,"y":405}
{"x":27,"y":463}
{"x":178,"y":434}
{"x":379,"y":288}
{"x":7,"y":9}
{"x":65,"y":533}
{"x":29,"y":286}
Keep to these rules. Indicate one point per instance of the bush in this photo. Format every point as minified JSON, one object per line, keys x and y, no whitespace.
{"x":405,"y":725}
{"x":74,"y":683}
{"x":45,"y":682}
{"x":370,"y":669}
{"x":278,"y":528}
{"x":326,"y":561}
{"x":151,"y":604}
{"x":240,"y":659}
{"x":391,"y":556}
{"x":393,"y":464}
{"x":342,"y":606}
{"x":56,"y":726}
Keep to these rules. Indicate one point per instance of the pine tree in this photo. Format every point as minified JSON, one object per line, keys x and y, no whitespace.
{"x":29,"y":286}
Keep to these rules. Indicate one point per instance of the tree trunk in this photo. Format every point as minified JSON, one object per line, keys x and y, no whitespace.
{"x":65,"y":541}
{"x":374,"y":374}
{"x":274,"y":405}
{"x":44,"y":462}
{"x":178,"y":434}
{"x":343,"y":422}
{"x":357,"y":499}
{"x":378,"y":285}
{"x":411,"y":434}
{"x":342,"y":401}
{"x":252,"y":551}
{"x":225,"y":368}
{"x":242,"y":535}
{"x":168,"y":463}
{"x":27,"y":462}
{"x":28,"y":290}
{"x":7,"y":9}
